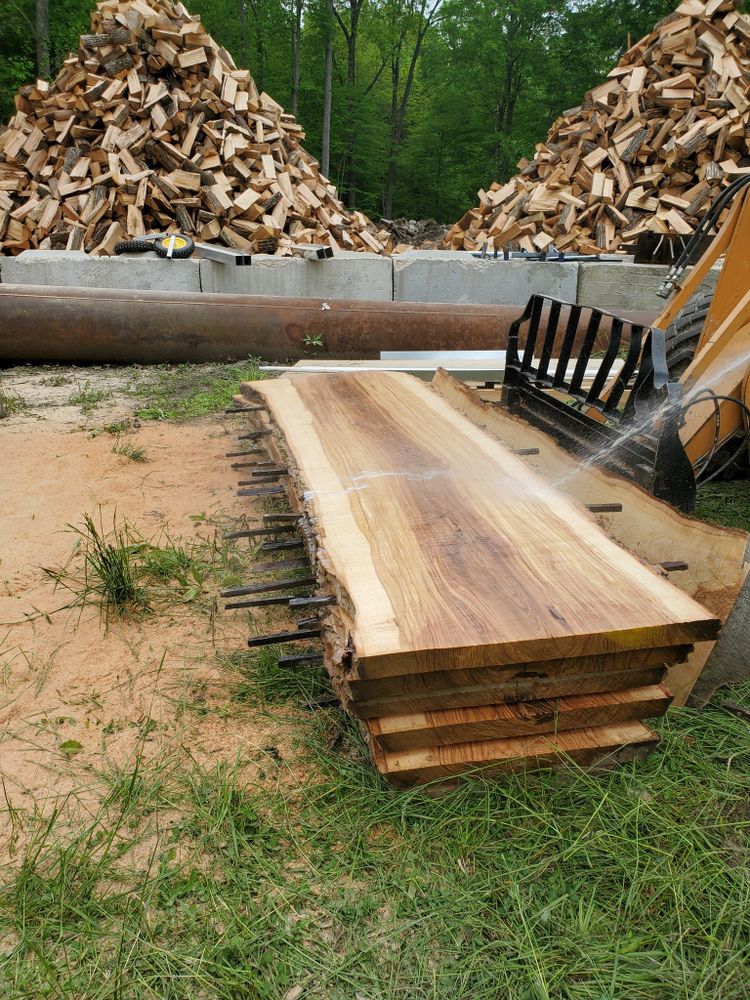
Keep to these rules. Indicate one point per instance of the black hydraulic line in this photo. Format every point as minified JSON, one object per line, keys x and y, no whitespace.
{"x":703,"y":463}
{"x":708,"y":221}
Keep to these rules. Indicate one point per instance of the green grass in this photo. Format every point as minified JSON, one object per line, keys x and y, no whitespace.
{"x":263,"y":682}
{"x":117,"y":428}
{"x":10,"y":403}
{"x":56,"y":379}
{"x":109,"y":571}
{"x":124,"y":573}
{"x":184,"y":392}
{"x":726,"y":503}
{"x":126,"y":449}
{"x":87,"y":398}
{"x":314,"y":880}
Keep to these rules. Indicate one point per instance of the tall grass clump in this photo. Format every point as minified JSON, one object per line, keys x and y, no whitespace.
{"x":109,"y":575}
{"x":110,"y":570}
{"x":126,"y":449}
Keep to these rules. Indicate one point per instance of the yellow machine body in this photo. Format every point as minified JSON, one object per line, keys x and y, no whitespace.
{"x":722,"y":361}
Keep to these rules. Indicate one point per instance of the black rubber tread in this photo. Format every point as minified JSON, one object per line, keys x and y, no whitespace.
{"x":162,"y":248}
{"x":682,"y":339}
{"x":134,"y":246}
{"x":683,"y":336}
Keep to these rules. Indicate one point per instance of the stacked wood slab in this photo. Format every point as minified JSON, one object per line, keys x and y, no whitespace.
{"x":481,"y":618}
{"x":151,"y":127}
{"x":648,"y":150}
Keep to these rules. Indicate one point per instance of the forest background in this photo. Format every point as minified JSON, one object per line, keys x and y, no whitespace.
{"x":429,"y":99}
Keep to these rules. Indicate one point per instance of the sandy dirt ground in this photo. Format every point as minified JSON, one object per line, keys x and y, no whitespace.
{"x":70,"y":674}
{"x":45,"y":393}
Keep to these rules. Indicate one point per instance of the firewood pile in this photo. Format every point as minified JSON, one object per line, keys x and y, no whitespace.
{"x":151,"y":127}
{"x":648,"y":150}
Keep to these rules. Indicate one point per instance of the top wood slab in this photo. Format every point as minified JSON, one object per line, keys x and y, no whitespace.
{"x":447,"y":551}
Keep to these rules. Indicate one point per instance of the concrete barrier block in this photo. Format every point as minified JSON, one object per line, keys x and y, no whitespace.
{"x":347,"y":275}
{"x":446,"y":276}
{"x":626,"y":286}
{"x":73,"y":268}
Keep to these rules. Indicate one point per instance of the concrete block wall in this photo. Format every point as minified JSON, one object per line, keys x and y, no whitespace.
{"x":348,"y":275}
{"x":454,"y":276}
{"x":415,"y":276}
{"x":616,"y":287}
{"x":73,"y":268}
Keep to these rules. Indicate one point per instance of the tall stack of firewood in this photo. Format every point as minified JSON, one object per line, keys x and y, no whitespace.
{"x":648,"y":150}
{"x":151,"y":127}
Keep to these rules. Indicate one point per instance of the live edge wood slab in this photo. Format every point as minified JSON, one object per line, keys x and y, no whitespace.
{"x":459,"y":574}
{"x":447,"y":550}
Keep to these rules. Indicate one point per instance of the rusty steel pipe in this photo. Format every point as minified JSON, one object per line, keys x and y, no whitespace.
{"x":41,"y":323}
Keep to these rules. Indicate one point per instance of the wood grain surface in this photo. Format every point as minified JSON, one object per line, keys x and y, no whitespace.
{"x":648,"y":527}
{"x":532,"y":689}
{"x":415,"y":685}
{"x":404,"y":732}
{"x":450,"y":552}
{"x":582,"y":746}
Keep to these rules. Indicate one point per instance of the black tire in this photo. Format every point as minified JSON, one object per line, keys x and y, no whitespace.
{"x":183,"y":249}
{"x":682,"y":339}
{"x":683,"y":335}
{"x":134,"y":246}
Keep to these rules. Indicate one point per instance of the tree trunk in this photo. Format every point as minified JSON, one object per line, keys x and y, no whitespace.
{"x":351,"y":80}
{"x":259,"y":70}
{"x":244,"y":40}
{"x":296,"y":47}
{"x":42,"y":39}
{"x":350,"y":33}
{"x":399,"y":107}
{"x":261,"y":63}
{"x":390,"y":184}
{"x":325,"y":164}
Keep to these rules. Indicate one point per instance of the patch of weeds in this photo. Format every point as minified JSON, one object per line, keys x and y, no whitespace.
{"x":725,"y":503}
{"x":117,"y":428}
{"x":172,"y":562}
{"x":87,"y":398}
{"x":126,"y":449}
{"x":264,"y":682}
{"x":223,"y":817}
{"x":10,"y":403}
{"x":124,"y":573}
{"x":184,"y":392}
{"x":110,"y":573}
{"x":56,"y":380}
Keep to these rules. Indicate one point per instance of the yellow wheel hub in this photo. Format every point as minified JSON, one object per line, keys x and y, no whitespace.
{"x":179,"y":242}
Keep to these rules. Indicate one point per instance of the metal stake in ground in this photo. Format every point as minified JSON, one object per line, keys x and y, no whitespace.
{"x":282,"y":637}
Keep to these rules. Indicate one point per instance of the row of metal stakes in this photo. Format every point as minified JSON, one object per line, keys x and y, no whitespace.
{"x":265,"y":480}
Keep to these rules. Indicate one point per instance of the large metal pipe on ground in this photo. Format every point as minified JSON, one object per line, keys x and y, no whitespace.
{"x":40,"y":323}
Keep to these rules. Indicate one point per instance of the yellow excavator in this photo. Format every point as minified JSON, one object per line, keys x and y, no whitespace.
{"x":670,"y":405}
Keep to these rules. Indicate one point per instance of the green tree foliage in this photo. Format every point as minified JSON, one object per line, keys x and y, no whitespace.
{"x":67,"y":19}
{"x":434,"y":99}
